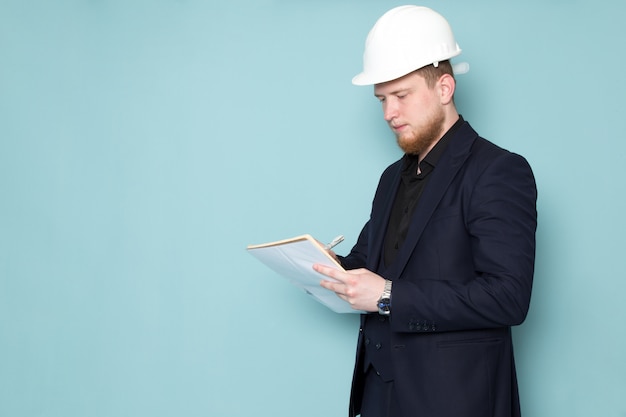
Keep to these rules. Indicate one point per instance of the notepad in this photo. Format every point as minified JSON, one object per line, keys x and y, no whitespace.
{"x":293,"y":259}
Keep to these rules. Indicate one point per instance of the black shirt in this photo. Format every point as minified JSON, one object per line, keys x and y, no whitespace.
{"x":409,"y":192}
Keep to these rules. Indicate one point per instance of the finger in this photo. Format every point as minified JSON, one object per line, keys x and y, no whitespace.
{"x":329,"y":285}
{"x":329,"y":272}
{"x":335,"y":287}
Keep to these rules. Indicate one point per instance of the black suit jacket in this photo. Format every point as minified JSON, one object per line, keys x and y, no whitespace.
{"x":461,"y":279}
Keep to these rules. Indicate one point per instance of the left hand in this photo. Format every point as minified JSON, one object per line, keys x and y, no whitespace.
{"x":361,"y":288}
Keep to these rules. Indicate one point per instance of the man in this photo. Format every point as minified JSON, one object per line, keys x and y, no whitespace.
{"x":444,"y":265}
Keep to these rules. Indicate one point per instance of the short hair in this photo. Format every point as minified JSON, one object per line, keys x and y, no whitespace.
{"x":431,"y":74}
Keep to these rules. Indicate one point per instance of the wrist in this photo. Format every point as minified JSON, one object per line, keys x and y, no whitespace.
{"x":384,"y":302}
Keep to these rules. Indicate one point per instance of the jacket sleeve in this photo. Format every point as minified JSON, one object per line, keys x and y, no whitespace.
{"x":357,"y":258}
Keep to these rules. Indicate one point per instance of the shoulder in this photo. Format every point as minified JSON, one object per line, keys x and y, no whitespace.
{"x":485,"y":154}
{"x":483,"y":160}
{"x":494,"y":172}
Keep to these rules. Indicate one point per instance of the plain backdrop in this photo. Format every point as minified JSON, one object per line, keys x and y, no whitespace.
{"x":144,"y":144}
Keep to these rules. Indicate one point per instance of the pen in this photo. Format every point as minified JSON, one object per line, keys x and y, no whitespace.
{"x":334,"y":242}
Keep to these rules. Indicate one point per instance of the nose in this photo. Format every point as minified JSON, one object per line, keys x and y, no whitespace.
{"x":390,"y":110}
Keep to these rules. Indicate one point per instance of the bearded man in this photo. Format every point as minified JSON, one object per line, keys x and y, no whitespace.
{"x":444,"y":266}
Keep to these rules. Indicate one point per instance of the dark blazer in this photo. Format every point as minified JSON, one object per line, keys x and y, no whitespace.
{"x":461,"y":279}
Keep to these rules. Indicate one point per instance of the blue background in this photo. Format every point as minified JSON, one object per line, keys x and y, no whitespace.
{"x":144,"y":144}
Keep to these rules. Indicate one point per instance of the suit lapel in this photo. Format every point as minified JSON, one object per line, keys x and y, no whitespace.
{"x":447,"y":167}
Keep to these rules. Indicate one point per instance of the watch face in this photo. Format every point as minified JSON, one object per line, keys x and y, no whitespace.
{"x":384,"y":304}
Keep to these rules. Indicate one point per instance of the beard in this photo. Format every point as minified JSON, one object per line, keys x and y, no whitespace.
{"x":417,"y":140}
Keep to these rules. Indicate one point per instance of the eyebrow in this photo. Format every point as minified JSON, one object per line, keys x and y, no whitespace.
{"x":393,"y":93}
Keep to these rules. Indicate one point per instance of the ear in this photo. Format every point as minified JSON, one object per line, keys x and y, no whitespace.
{"x":447,"y":85}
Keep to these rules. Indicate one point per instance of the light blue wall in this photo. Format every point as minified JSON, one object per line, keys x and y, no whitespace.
{"x":144,"y":144}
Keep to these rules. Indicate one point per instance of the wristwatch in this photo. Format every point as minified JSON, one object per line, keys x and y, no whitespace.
{"x":384,"y":302}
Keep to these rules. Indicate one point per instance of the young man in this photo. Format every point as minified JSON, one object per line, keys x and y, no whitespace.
{"x":444,"y":266}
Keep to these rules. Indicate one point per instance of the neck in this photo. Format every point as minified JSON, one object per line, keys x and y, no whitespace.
{"x":451,"y":117}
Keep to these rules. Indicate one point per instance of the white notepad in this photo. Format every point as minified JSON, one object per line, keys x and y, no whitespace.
{"x":294,"y":258}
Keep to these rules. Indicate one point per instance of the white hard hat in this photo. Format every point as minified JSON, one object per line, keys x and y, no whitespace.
{"x":404,"y":39}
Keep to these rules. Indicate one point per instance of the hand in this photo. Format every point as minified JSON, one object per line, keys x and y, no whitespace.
{"x":361,"y":288}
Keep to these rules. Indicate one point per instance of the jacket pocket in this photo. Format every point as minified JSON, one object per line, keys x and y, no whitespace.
{"x":462,"y":343}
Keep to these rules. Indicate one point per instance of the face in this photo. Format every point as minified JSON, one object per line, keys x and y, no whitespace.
{"x":413,"y":111}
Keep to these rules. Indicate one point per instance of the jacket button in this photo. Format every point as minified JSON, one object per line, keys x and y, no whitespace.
{"x":378,"y":345}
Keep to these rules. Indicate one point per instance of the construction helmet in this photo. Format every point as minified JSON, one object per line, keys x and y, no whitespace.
{"x":404,"y":39}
